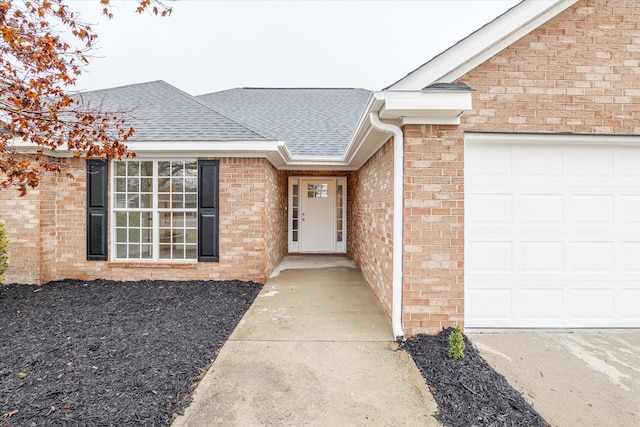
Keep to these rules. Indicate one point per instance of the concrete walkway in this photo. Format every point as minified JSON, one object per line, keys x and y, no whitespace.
{"x":315,"y":349}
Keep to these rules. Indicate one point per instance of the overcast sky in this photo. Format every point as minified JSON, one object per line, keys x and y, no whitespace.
{"x":207,"y":46}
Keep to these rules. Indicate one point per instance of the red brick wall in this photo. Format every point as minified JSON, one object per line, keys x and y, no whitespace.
{"x":433,"y":260}
{"x":372,"y":224}
{"x":47,"y":231}
{"x":580,"y":73}
{"x":21,"y":216}
{"x":276,"y":218}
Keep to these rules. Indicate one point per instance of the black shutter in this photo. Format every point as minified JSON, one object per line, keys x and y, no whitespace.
{"x":208,"y":172}
{"x":97,"y":209}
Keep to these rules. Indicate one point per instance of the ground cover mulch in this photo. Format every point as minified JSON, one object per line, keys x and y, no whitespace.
{"x":468,"y":391}
{"x":106,"y":353}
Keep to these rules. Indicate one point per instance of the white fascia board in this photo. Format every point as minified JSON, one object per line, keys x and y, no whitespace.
{"x":483,"y":44}
{"x":550,"y":138}
{"x":425,"y":107}
{"x":275,"y":151}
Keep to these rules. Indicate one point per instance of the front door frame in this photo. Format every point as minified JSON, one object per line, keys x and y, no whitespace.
{"x":339,"y":213}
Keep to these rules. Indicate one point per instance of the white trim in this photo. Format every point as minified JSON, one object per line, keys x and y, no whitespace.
{"x":483,"y":44}
{"x":339,"y":247}
{"x":549,"y":138}
{"x":155,"y":215}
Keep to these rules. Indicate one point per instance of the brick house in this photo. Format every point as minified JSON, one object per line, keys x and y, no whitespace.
{"x":497,"y":185}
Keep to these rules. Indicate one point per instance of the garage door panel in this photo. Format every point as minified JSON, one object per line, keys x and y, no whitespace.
{"x":542,"y":209}
{"x":627,"y":161}
{"x":591,"y":209}
{"x":541,"y":162}
{"x":541,"y":304}
{"x":542,"y":257}
{"x":629,"y":257}
{"x":490,"y":256}
{"x":493,"y":161}
{"x":553,"y":238}
{"x":592,"y":305}
{"x":494,"y":304}
{"x":630,"y":209}
{"x":591,"y":161}
{"x":629,"y":304}
{"x":590,"y":257}
{"x":492,"y":208}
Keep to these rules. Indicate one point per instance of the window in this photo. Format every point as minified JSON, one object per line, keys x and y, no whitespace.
{"x":295,"y":212}
{"x":155,"y":205}
{"x":316,"y":191}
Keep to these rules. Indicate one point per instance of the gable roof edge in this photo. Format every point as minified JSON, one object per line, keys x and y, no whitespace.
{"x":482,"y":44}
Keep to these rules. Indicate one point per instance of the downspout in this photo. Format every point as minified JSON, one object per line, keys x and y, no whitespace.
{"x":398,"y":220}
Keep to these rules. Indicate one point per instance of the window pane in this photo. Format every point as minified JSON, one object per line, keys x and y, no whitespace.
{"x":145,"y":201}
{"x":177,"y":201}
{"x":177,"y":185}
{"x":177,"y":169}
{"x":121,"y":251}
{"x":133,"y":202}
{"x":164,"y":168}
{"x":146,"y":235}
{"x":133,"y":168}
{"x":164,"y":201}
{"x":146,"y":251}
{"x":177,"y":252}
{"x":191,"y":201}
{"x":121,"y":219}
{"x":163,"y":185}
{"x":134,"y":219}
{"x":146,"y":219}
{"x":134,"y":251}
{"x":121,"y":200}
{"x":191,"y":185}
{"x":165,"y":235}
{"x":134,"y":235}
{"x":146,"y":185}
{"x":121,"y":235}
{"x":192,"y":252}
{"x":133,"y":185}
{"x":191,"y":219}
{"x":121,"y":185}
{"x":191,"y":236}
{"x":147,"y":169}
{"x":120,"y":169}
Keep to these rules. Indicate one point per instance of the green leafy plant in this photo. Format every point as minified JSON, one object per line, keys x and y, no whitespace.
{"x":456,"y":344}
{"x":4,"y":254}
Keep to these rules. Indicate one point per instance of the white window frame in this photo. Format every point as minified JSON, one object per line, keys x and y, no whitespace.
{"x":155,"y":213}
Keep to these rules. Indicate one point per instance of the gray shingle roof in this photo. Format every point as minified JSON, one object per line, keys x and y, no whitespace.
{"x":162,"y":112}
{"x":313,"y":122}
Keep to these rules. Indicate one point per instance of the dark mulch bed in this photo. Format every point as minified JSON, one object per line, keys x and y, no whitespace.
{"x":468,"y":391}
{"x":106,"y":353}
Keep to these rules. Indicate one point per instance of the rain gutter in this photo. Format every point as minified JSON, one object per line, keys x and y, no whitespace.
{"x":398,"y":219}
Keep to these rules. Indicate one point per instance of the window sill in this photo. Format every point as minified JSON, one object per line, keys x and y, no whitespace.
{"x":152,"y":264}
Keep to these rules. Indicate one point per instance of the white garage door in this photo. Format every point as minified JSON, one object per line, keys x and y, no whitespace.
{"x":552,"y":231}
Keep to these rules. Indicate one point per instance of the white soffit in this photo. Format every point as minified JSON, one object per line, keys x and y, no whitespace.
{"x":424,"y":107}
{"x":483,"y":44}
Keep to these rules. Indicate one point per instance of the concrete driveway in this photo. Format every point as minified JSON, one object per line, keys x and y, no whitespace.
{"x":572,"y":378}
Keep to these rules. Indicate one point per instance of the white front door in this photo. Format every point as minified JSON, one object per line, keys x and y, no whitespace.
{"x":317,"y":215}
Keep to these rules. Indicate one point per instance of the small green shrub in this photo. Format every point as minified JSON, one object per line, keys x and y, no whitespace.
{"x":456,"y":344}
{"x":4,"y":248}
